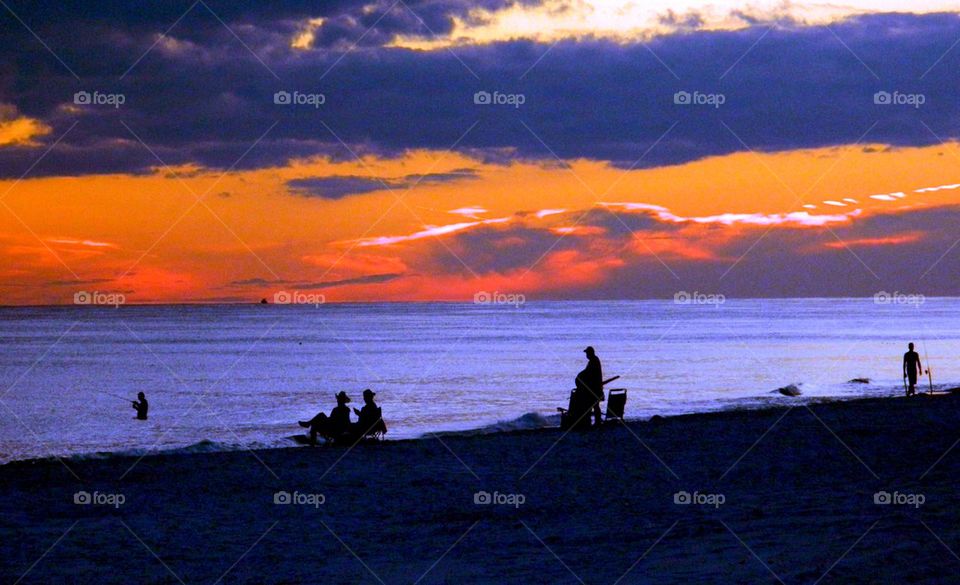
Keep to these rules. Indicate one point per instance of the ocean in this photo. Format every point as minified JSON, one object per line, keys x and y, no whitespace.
{"x":239,"y":376}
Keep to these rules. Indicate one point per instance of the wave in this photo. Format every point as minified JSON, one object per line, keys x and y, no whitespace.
{"x":526,"y":422}
{"x":204,"y":446}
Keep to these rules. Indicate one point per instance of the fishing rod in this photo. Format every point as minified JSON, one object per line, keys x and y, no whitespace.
{"x":926,"y":357}
{"x":114,"y":395}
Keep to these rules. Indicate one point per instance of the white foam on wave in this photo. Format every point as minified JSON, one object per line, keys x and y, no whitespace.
{"x":205,"y":446}
{"x":526,"y":422}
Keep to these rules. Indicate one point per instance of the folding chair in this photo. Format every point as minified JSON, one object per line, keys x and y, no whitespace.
{"x":616,"y":404}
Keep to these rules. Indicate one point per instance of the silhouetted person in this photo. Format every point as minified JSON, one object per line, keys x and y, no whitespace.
{"x":911,"y":369}
{"x":141,"y":406}
{"x":369,"y":418}
{"x":335,"y":425}
{"x":590,"y":382}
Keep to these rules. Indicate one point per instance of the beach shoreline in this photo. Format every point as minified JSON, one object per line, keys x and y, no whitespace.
{"x":778,"y":494}
{"x":531,"y":422}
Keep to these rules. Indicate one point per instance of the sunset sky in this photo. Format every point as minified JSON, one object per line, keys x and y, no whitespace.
{"x":631,"y":149}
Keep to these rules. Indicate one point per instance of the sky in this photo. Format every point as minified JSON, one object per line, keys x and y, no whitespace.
{"x":405,"y":150}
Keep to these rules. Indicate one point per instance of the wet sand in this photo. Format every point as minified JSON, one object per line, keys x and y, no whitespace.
{"x":785,"y":494}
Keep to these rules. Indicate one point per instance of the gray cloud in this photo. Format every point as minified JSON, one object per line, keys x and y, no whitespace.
{"x":206,"y":99}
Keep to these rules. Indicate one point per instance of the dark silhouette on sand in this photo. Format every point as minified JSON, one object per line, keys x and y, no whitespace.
{"x":141,"y":406}
{"x":338,"y":428}
{"x":329,"y":427}
{"x":912,"y":368}
{"x":590,"y":382}
{"x":369,"y":418}
{"x":586,"y":397}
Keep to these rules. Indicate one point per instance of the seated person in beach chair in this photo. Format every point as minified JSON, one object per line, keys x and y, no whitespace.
{"x":369,"y":418}
{"x":333,"y":426}
{"x":577,"y":416}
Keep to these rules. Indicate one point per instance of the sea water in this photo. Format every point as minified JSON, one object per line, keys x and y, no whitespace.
{"x":240,"y":376}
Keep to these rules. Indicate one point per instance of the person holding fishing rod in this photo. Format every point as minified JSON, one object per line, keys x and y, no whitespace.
{"x":912,"y":369}
{"x":590,"y":382}
{"x":141,"y":406}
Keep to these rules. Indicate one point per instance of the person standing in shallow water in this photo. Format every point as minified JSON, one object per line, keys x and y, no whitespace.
{"x":141,"y":406}
{"x":912,"y":368}
{"x":590,"y":380}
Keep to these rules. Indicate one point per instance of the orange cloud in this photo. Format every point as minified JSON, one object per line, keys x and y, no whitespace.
{"x":191,"y":234}
{"x":17,"y":130}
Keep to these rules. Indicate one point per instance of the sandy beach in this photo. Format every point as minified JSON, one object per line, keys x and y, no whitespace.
{"x":779,"y":495}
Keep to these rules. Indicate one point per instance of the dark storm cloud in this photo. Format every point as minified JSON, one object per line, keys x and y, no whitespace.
{"x":335,"y":187}
{"x":338,"y":187}
{"x":369,"y":279}
{"x":262,"y":282}
{"x":255,"y":282}
{"x":202,"y":97}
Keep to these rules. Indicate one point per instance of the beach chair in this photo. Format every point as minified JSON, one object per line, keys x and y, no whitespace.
{"x":616,"y":405}
{"x":576,"y":416}
{"x":379,"y":429}
{"x":352,"y":435}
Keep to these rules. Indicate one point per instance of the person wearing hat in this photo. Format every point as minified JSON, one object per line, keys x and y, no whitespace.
{"x":336,"y":425}
{"x":590,"y":382}
{"x":369,"y":418}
